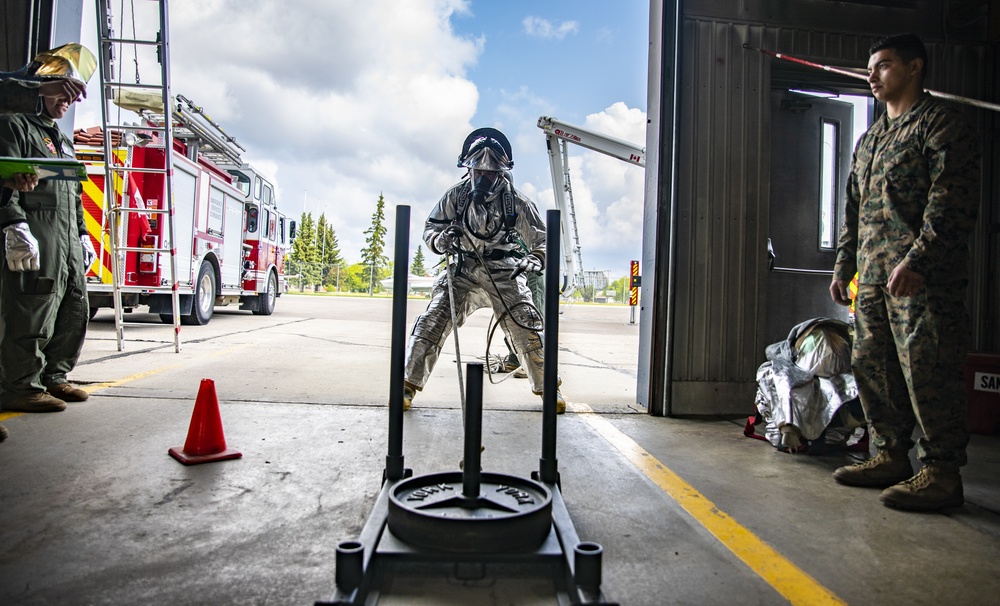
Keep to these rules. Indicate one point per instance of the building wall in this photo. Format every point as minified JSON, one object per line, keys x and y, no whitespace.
{"x":722,"y":172}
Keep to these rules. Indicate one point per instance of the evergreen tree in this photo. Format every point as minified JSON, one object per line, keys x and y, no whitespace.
{"x":372,"y":255}
{"x":418,"y":269}
{"x":304,"y":255}
{"x":328,"y":252}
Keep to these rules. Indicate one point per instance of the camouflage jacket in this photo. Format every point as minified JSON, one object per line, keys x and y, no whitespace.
{"x":912,"y":197}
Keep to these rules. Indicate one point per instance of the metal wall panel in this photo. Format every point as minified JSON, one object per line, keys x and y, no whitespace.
{"x":722,"y":193}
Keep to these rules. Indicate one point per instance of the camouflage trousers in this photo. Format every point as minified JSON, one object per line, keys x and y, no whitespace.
{"x":907,"y":361}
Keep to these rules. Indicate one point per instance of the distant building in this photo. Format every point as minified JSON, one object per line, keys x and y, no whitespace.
{"x":599,"y":279}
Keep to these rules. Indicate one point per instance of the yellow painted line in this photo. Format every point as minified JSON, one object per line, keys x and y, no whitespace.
{"x":785,"y":577}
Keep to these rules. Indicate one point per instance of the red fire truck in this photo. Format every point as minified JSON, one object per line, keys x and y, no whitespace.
{"x":230,"y":238}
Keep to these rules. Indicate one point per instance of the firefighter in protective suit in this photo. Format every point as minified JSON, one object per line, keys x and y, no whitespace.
{"x":46,"y":253}
{"x":493,"y":235}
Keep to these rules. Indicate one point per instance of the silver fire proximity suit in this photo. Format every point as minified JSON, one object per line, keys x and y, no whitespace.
{"x":489,"y":251}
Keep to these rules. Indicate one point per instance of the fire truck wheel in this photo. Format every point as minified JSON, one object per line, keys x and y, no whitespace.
{"x":267,"y":298}
{"x":204,"y":297}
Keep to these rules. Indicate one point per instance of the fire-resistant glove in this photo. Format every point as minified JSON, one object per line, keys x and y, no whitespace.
{"x":447,"y":241}
{"x":526,"y":263}
{"x":21,"y":248}
{"x":89,"y":254}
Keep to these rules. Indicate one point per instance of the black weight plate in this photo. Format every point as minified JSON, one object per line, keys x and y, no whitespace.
{"x":511,"y":513}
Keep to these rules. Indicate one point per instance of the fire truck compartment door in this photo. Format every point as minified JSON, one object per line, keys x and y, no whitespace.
{"x":232,"y":245}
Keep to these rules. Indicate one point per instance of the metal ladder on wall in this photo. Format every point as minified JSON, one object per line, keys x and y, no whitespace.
{"x":117,"y":210}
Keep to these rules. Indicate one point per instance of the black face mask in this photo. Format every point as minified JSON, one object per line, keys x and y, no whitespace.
{"x":482,"y":187}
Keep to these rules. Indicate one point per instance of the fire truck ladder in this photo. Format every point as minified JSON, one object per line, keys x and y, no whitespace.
{"x":117,"y":210}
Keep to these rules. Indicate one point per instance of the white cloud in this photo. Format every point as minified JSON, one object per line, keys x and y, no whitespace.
{"x":339,"y":99}
{"x":543,"y":28}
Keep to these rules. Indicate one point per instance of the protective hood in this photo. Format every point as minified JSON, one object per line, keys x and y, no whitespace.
{"x":71,"y":61}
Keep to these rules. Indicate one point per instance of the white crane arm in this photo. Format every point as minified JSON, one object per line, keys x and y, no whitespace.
{"x":605,"y":144}
{"x":557,"y":135}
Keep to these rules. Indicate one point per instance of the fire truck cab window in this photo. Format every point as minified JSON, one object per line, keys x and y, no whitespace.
{"x":269,"y":223}
{"x":257,"y":184}
{"x":267,"y":194}
{"x":241,"y":181}
{"x":252,"y":221}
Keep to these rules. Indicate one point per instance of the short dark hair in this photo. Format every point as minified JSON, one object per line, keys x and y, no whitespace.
{"x":907,"y":46}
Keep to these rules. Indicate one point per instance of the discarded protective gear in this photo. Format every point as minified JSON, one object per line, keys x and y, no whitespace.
{"x":806,"y":389}
{"x":89,"y":254}
{"x":886,"y":468}
{"x":38,"y":401}
{"x":22,"y":248}
{"x":68,"y":393}
{"x":934,"y":487}
{"x":43,"y":313}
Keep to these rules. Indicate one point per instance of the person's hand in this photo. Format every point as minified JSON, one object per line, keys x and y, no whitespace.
{"x":527,"y":263}
{"x":839,"y":292}
{"x":22,"y":248}
{"x":447,"y":241}
{"x":89,"y":254}
{"x":904,"y":282}
{"x":21,"y":182}
{"x":63,"y":88}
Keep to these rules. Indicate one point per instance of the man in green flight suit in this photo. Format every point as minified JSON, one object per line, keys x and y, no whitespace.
{"x":912,"y":199}
{"x":46,"y":252}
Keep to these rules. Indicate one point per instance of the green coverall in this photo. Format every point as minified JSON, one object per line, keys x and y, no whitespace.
{"x":44,"y":313}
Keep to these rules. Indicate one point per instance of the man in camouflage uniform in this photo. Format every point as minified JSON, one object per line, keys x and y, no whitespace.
{"x":43,"y":296}
{"x":912,"y":199}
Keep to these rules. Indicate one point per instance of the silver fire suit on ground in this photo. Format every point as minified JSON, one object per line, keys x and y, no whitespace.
{"x":485,"y":236}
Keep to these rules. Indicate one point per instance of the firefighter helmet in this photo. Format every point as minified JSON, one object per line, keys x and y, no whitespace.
{"x":486,"y":149}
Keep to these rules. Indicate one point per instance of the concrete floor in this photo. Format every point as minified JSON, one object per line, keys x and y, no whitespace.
{"x":96,"y":512}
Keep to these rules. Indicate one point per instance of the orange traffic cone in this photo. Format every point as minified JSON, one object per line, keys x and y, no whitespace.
{"x":205,"y":441}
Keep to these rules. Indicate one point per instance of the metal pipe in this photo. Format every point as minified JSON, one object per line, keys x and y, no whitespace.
{"x":860,"y":76}
{"x":548,"y":464}
{"x":472,"y":469}
{"x":349,"y":565}
{"x":397,"y":356}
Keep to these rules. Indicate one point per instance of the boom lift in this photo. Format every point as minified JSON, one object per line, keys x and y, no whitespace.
{"x":557,"y":135}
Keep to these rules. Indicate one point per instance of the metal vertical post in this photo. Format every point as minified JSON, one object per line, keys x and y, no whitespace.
{"x":397,"y":360}
{"x":548,"y":470}
{"x":471,"y":469}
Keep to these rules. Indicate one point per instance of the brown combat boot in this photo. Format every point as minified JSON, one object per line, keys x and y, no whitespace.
{"x":934,"y":487}
{"x":68,"y":393}
{"x":881,"y":471}
{"x":38,"y":401}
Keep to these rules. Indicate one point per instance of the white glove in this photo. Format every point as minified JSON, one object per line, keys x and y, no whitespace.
{"x":89,"y":254}
{"x":527,"y":263}
{"x":22,"y":248}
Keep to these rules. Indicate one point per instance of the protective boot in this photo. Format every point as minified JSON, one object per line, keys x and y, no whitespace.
{"x":886,"y":468}
{"x":934,"y":487}
{"x":409,"y":392}
{"x":3,"y":433}
{"x":39,"y":401}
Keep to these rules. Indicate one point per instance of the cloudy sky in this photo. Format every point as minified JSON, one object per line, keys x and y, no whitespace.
{"x":341,"y":100}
